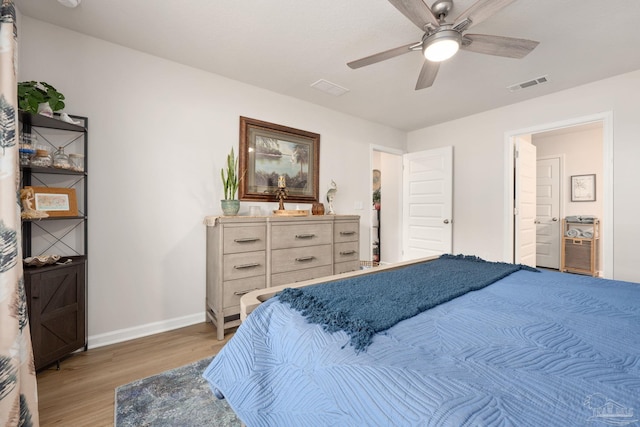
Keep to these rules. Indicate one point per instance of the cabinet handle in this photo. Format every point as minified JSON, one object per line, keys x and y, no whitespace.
{"x":347,"y":233}
{"x":246,"y":240}
{"x":239,"y":267}
{"x":305,"y":236}
{"x":351,"y":252}
{"x":240,"y":293}
{"x":305,"y":258}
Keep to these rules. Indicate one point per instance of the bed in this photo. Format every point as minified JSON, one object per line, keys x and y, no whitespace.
{"x":534,"y":348}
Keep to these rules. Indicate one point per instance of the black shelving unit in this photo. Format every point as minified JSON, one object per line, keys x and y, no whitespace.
{"x":57,"y":293}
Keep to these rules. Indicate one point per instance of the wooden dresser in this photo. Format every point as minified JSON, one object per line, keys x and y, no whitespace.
{"x":248,"y":253}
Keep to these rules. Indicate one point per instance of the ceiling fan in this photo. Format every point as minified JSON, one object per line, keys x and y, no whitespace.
{"x":442,"y":39}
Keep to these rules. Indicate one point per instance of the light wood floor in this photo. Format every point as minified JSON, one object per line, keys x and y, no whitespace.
{"x":82,"y":392}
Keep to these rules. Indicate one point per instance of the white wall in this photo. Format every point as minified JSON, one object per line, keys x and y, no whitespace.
{"x":159,"y":133}
{"x":582,"y":149}
{"x":479,"y":169}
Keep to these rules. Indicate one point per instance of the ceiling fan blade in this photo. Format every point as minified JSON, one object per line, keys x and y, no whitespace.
{"x":417,"y":12}
{"x":427,"y":75}
{"x":498,"y":45}
{"x":378,"y":57}
{"x":481,"y":10}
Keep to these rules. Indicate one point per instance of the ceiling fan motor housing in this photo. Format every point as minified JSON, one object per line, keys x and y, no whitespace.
{"x":441,"y":8}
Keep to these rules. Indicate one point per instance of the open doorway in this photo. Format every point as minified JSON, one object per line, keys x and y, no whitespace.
{"x":561,"y":154}
{"x":385,"y":205}
{"x":579,"y":147}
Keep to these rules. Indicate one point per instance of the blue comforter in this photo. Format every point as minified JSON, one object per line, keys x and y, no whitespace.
{"x":533,"y":349}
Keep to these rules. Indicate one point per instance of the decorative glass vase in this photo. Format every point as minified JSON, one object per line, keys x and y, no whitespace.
{"x":230,"y":207}
{"x":61,"y":160}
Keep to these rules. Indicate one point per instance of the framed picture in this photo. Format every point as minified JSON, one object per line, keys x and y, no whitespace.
{"x":271,"y":152}
{"x":55,"y":201}
{"x":583,"y":188}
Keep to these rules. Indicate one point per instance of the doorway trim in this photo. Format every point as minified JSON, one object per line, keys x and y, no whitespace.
{"x":607,"y":162}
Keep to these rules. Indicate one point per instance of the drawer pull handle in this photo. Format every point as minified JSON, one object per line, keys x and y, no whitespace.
{"x":305,"y":258}
{"x":351,"y":252}
{"x":240,"y":293}
{"x":246,"y":240}
{"x":305,"y":236}
{"x":240,"y":267}
{"x":347,"y":233}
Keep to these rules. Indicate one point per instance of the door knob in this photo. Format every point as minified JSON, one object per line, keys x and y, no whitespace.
{"x":554,"y":219}
{"x":446,"y":221}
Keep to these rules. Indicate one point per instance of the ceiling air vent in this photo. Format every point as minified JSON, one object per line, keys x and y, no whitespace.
{"x":530,"y":83}
{"x":330,"y":88}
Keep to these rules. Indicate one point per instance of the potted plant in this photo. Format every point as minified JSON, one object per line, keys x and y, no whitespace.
{"x":230,"y":180}
{"x":32,"y":95}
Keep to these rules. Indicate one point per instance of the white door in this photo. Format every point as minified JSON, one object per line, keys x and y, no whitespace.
{"x":525,"y":203}
{"x":427,"y":203}
{"x":548,"y":213}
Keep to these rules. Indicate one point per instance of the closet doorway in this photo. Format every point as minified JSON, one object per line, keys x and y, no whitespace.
{"x":581,"y":147}
{"x":385,"y":205}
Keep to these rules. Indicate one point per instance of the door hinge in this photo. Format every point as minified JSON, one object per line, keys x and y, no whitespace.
{"x":516,"y":154}
{"x":515,"y":211}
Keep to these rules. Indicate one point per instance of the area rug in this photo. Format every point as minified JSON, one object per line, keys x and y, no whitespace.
{"x":179,"y":397}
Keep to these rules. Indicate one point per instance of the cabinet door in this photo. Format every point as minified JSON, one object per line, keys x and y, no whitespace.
{"x":56,"y":311}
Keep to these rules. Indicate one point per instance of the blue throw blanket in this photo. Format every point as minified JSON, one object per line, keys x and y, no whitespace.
{"x":365,"y":305}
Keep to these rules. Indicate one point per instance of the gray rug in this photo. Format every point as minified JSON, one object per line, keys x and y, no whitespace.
{"x":179,"y":397}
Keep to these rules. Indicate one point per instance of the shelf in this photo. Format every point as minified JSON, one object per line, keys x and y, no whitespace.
{"x":56,"y":293}
{"x":51,"y":170}
{"x":50,"y":218}
{"x":76,"y":259}
{"x":39,"y":120}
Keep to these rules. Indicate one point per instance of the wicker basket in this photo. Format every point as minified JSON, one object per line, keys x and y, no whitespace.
{"x":368,"y":264}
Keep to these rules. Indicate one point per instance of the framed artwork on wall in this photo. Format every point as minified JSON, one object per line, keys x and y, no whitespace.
{"x":270,"y":152}
{"x":583,"y":188}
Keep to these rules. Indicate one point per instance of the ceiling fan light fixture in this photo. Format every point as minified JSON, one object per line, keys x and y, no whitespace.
{"x":69,"y":3}
{"x":442,"y":45}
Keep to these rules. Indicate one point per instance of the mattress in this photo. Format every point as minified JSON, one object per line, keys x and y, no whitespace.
{"x":533,"y":349}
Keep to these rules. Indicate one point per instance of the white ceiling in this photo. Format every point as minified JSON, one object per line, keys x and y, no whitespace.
{"x":286,"y":45}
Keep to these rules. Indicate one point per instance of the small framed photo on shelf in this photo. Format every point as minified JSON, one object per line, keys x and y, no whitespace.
{"x":56,"y":202}
{"x":583,"y":188}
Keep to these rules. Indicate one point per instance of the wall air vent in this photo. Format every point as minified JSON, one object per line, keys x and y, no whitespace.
{"x":537,"y":81}
{"x":330,"y":88}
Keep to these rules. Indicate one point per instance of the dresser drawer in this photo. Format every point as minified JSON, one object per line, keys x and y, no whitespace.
{"x":234,"y":289}
{"x":249,"y":264}
{"x":300,"y":275}
{"x":344,"y":267}
{"x":346,"y":232}
{"x":244,"y":239}
{"x":299,"y":235}
{"x":347,"y":251}
{"x":283,"y":260}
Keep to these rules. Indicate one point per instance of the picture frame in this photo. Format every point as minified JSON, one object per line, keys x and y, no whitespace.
{"x":583,"y":188}
{"x":269,"y":151}
{"x":57,"y":202}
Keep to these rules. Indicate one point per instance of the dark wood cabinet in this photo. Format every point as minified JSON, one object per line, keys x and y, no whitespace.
{"x":57,"y":293}
{"x":57,"y":309}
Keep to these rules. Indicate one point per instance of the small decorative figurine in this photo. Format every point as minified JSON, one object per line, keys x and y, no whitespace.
{"x":281,"y":192}
{"x":27,"y":197}
{"x":333,"y":188}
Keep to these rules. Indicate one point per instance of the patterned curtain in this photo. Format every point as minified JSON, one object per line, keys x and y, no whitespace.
{"x":18,"y":392}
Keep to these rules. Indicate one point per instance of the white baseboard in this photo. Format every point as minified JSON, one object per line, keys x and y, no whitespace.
{"x":145,"y":330}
